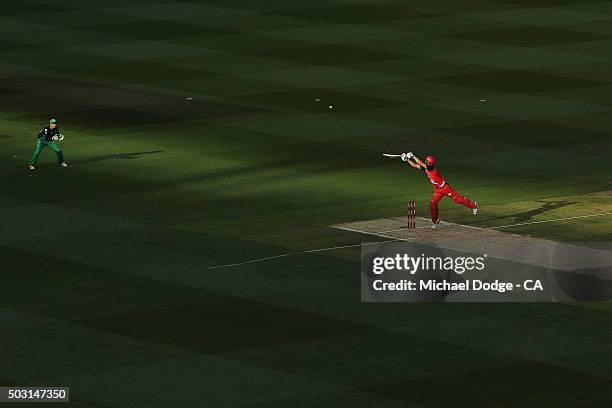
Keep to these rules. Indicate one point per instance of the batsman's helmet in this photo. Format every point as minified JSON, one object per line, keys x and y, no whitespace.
{"x":429,"y":160}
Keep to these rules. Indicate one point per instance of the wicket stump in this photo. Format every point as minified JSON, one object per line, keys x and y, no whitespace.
{"x":411,"y":214}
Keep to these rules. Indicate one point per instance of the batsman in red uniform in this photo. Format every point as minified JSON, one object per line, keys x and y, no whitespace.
{"x":441,"y":187}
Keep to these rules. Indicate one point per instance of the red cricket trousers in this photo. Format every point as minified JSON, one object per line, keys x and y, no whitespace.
{"x":450,"y":192}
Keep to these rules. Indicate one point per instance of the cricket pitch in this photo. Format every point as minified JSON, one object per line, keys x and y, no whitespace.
{"x":497,"y":244}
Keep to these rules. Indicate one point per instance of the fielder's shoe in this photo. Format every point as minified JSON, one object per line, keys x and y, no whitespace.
{"x":30,"y":167}
{"x":475,"y":210}
{"x":435,"y":224}
{"x":64,"y":164}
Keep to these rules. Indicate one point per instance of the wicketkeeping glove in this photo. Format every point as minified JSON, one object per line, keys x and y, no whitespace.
{"x":61,"y":137}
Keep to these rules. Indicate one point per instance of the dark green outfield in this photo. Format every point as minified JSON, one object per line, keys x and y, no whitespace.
{"x":105,"y":279}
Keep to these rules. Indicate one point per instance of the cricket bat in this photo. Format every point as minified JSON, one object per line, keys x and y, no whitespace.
{"x":391,"y":155}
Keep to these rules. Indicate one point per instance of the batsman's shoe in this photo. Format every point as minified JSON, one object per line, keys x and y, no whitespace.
{"x":30,"y":167}
{"x":435,"y":224}
{"x":475,"y":210}
{"x":64,"y":164}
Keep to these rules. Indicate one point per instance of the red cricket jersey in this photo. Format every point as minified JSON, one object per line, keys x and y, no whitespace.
{"x":434,"y":176}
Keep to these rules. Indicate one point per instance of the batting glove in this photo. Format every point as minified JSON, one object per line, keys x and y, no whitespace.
{"x":410,"y":155}
{"x":404,"y":157}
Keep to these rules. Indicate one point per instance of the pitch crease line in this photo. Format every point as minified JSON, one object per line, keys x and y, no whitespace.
{"x":310,"y":251}
{"x":552,"y":220}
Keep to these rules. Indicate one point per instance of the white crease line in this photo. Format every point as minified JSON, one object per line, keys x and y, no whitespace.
{"x":463,"y":225}
{"x":401,"y":229}
{"x":378,"y":234}
{"x":555,"y":219}
{"x":407,"y":229}
{"x":310,"y":251}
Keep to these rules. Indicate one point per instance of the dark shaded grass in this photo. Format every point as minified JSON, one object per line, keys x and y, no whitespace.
{"x":530,"y":36}
{"x":515,"y":81}
{"x":526,"y":384}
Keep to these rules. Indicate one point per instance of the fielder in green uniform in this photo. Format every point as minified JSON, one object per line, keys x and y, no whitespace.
{"x":48,"y":137}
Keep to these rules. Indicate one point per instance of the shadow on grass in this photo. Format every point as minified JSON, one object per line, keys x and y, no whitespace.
{"x":117,"y":156}
{"x":548,"y":206}
{"x":528,"y":215}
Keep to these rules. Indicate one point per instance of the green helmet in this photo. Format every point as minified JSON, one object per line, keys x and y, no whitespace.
{"x":52,"y":122}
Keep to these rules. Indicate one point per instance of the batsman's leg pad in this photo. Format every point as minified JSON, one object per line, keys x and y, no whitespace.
{"x":433,"y":206}
{"x":462,"y":200}
{"x":459,"y":199}
{"x":468,"y":203}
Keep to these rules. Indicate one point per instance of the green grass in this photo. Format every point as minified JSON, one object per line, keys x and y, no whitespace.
{"x":105,"y":264}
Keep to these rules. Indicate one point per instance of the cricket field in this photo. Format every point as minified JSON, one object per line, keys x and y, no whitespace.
{"x":207,"y":138}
